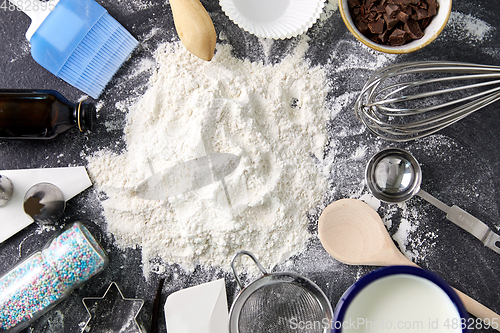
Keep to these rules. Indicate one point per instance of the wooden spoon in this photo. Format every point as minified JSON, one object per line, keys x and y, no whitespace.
{"x":353,"y":233}
{"x":195,"y":27}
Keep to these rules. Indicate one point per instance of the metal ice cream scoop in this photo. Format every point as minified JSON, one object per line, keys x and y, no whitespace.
{"x":6,"y":190}
{"x":45,"y":203}
{"x":394,"y":175}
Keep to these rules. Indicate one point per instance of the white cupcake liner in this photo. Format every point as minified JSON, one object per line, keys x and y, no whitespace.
{"x":278,"y":19}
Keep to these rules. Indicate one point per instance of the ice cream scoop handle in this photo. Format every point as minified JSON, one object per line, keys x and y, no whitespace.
{"x":474,"y":226}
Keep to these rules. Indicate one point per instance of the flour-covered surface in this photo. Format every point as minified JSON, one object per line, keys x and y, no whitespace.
{"x":273,"y":117}
{"x":460,"y":164}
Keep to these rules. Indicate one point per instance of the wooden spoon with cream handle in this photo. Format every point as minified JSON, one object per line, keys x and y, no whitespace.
{"x":194,"y":27}
{"x":353,"y":233}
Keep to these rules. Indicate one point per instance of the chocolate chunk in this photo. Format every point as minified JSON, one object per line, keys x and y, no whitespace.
{"x":390,"y":21}
{"x":407,"y":10}
{"x":369,"y":3}
{"x":431,"y":7}
{"x":391,"y":9}
{"x":402,"y":2}
{"x":362,"y":27}
{"x":375,"y":38}
{"x":397,"y":37}
{"x":413,"y":29}
{"x":403,"y":17}
{"x":384,"y":37}
{"x":421,"y":13}
{"x":376,"y":27}
{"x":425,"y":23}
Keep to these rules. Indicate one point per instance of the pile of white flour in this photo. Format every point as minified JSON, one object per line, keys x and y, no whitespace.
{"x":272,"y":116}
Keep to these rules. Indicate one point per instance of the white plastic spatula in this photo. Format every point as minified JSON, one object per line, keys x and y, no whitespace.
{"x":71,"y":181}
{"x":200,"y":309}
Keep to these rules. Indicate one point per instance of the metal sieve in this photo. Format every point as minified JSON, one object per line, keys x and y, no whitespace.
{"x":279,"y":302}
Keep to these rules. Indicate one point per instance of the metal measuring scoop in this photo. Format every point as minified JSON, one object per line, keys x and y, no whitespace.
{"x":45,"y":203}
{"x":393,"y":175}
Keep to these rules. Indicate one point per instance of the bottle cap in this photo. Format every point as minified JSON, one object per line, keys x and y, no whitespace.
{"x":86,"y":116}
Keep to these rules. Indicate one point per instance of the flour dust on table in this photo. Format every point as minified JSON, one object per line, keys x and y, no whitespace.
{"x":290,"y":123}
{"x":272,"y":116}
{"x":468,"y":28}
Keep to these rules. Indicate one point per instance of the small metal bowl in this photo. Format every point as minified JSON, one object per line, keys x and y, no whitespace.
{"x":430,"y":33}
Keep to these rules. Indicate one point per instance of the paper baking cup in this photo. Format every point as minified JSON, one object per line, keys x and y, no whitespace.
{"x":278,"y":19}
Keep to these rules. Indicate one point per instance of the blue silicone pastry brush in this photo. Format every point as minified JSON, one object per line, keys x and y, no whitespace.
{"x":78,"y":41}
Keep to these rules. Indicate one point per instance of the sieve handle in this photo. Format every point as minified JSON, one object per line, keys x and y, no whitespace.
{"x":262,"y":269}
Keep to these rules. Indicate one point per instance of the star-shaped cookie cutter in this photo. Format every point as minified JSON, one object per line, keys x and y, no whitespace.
{"x":112,"y":312}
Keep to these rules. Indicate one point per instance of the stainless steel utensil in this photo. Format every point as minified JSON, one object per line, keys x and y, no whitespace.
{"x":410,"y":100}
{"x":6,"y":190}
{"x":112,"y":312}
{"x":393,"y":175}
{"x":279,"y":302}
{"x":45,"y":203}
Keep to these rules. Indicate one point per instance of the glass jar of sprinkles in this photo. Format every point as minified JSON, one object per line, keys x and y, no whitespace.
{"x":47,"y":277}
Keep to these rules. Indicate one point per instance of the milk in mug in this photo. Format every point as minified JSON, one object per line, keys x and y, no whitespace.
{"x":402,"y":303}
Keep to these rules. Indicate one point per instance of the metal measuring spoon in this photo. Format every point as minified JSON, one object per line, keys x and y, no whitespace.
{"x":6,"y":190}
{"x":393,"y":175}
{"x":44,"y":202}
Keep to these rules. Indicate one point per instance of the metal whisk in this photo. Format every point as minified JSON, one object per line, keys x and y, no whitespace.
{"x":406,"y":101}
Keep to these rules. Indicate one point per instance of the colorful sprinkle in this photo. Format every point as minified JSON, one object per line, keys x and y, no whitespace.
{"x":48,"y":276}
{"x":74,"y":256}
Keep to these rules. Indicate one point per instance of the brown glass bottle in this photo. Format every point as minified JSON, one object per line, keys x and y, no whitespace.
{"x":41,"y":114}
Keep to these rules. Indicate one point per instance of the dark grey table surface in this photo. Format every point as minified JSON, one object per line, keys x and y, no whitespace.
{"x":461,"y":165}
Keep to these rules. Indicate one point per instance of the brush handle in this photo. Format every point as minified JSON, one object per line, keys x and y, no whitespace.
{"x":37,"y":11}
